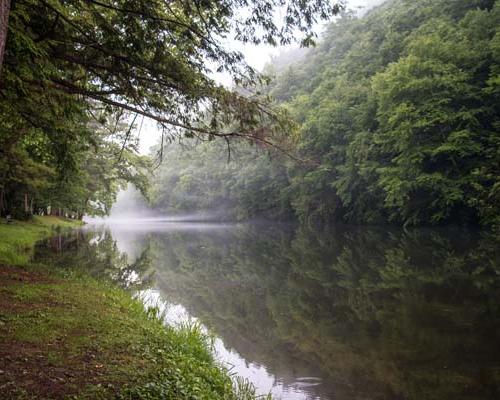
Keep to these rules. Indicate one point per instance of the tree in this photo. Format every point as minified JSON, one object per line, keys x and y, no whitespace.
{"x":152,"y":57}
{"x":398,"y":115}
{"x":78,"y":171}
{"x":435,"y":133}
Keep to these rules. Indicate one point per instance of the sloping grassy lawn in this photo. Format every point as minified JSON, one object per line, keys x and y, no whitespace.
{"x":64,"y":335}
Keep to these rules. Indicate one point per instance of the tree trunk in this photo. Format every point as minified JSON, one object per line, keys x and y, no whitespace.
{"x":4,"y":27}
{"x":2,"y":202}
{"x":26,"y":207}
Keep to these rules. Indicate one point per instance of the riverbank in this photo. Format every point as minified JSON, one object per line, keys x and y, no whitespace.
{"x":66,"y":335}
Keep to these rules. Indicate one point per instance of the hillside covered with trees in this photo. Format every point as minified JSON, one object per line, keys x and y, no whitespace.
{"x":398,"y":119}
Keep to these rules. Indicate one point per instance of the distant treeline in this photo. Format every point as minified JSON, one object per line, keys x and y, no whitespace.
{"x":399,"y":121}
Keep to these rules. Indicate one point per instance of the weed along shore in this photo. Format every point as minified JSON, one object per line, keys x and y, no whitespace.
{"x":67,"y":335}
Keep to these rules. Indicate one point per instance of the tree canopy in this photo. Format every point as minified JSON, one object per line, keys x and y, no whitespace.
{"x":153,"y":58}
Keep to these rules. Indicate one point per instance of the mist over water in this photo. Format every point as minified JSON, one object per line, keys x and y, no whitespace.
{"x":132,"y":209}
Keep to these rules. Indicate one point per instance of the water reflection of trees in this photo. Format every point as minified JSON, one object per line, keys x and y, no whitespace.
{"x":96,"y":253}
{"x":385,"y":314}
{"x":378,"y":314}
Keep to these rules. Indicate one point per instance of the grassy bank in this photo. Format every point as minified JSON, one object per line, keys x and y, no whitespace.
{"x":65,"y":335}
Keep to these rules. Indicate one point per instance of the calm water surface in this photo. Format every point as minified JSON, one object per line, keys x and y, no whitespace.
{"x":344,"y":313}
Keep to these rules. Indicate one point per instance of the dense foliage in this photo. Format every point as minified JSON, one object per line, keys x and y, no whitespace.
{"x":399,"y":121}
{"x":71,"y":69}
{"x":216,"y":182}
{"x":75,"y":168}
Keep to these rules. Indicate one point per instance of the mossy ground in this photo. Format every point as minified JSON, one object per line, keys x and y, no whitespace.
{"x":66,"y":335}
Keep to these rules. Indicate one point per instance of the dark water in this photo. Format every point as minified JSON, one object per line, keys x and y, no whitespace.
{"x":345,"y":313}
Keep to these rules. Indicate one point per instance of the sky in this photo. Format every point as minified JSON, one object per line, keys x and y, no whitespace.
{"x":256,"y":56}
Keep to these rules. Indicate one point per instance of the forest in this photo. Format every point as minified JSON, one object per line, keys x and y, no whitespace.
{"x":396,"y":120}
{"x":78,"y":78}
{"x":392,"y":118}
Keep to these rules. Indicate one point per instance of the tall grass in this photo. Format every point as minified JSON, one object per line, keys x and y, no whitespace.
{"x":199,"y":341}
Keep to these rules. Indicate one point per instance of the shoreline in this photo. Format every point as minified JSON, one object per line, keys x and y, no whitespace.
{"x":65,"y":334}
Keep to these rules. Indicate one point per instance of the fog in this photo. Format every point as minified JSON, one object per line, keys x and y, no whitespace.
{"x":131,"y":210}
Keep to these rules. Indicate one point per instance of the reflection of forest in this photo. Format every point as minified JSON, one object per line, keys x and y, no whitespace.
{"x":378,"y":314}
{"x":97,"y":253}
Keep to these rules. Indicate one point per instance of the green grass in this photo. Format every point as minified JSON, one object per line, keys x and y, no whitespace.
{"x":75,"y":323}
{"x":64,"y":334}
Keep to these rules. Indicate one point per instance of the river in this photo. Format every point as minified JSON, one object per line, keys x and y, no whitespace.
{"x":338,"y":313}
